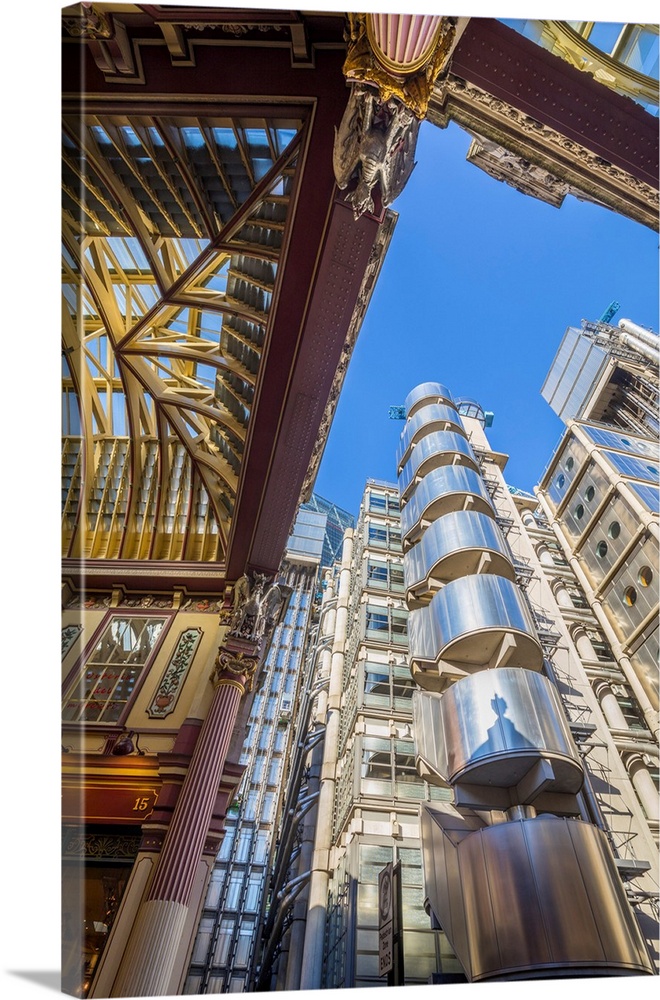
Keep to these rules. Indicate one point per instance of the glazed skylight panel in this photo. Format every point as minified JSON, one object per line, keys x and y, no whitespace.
{"x":173,"y":326}
{"x":188,"y":175}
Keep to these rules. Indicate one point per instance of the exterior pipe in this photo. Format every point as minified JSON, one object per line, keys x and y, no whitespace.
{"x":646,"y":336}
{"x":308,"y":751}
{"x":651,"y":353}
{"x":586,"y":795}
{"x":313,"y":950}
{"x":284,"y":907}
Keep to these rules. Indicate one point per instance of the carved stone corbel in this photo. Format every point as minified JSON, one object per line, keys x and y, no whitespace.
{"x":375,"y":142}
{"x":106,"y":36}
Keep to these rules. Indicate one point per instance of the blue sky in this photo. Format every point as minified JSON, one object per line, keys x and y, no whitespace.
{"x":476,"y":291}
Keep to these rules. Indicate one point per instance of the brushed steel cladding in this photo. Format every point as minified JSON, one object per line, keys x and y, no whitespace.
{"x":434,"y":417}
{"x":475,"y":621}
{"x":449,"y":488}
{"x":458,"y":544}
{"x":424,"y":393}
{"x":435,"y":450}
{"x":535,"y":898}
{"x":491,"y":728}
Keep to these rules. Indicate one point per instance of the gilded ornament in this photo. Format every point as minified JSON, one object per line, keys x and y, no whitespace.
{"x":90,"y":23}
{"x":375,"y":142}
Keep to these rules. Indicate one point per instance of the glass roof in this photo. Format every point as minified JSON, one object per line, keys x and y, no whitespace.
{"x":167,"y":285}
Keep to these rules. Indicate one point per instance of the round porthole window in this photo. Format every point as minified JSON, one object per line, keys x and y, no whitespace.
{"x":601,"y":549}
{"x":570,"y":462}
{"x":590,"y":494}
{"x":561,"y":479}
{"x":626,"y":442}
{"x":630,"y":596}
{"x":579,"y":511}
{"x":614,"y":529}
{"x":645,"y":576}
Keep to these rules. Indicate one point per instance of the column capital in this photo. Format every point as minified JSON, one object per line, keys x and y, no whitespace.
{"x":633,"y":760}
{"x":236,"y":665}
{"x":601,"y":687}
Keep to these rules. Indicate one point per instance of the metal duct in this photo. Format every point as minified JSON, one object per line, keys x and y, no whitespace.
{"x":533,"y":898}
{"x":437,"y":449}
{"x":435,"y":417}
{"x":473,"y":622}
{"x":427,"y":392}
{"x":646,"y":336}
{"x":642,"y":348}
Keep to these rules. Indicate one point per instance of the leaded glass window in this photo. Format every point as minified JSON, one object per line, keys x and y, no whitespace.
{"x":111,"y":673}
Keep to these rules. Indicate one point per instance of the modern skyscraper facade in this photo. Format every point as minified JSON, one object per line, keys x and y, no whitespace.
{"x":534,"y":722}
{"x":229,"y":932}
{"x":601,"y":491}
{"x":219,"y":251}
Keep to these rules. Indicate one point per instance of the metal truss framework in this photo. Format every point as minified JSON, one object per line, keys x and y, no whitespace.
{"x":173,"y":229}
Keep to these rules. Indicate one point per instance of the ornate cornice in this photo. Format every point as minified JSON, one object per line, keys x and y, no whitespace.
{"x":586,"y":173}
{"x":89,"y":22}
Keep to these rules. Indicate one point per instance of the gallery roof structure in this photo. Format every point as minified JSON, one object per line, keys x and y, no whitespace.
{"x":215,"y":276}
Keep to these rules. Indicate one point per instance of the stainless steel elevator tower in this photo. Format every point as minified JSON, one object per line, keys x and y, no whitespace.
{"x":518,"y":870}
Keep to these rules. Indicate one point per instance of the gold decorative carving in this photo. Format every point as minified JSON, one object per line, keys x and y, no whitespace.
{"x":375,"y":142}
{"x":234,"y":666}
{"x":413,"y":89}
{"x":91,"y":22}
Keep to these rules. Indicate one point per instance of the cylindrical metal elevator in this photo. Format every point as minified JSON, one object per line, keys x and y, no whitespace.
{"x":523,"y":887}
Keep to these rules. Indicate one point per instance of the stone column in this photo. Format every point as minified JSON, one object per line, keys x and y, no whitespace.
{"x":317,"y":905}
{"x":148,"y":963}
{"x":561,"y":594}
{"x":583,"y":643}
{"x":610,"y":706}
{"x":643,"y":784}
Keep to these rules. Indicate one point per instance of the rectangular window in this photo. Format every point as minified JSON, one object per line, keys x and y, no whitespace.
{"x":377,"y":624}
{"x":377,"y":574}
{"x":630,"y":708}
{"x":112,"y":671}
{"x":245,"y":935}
{"x":377,"y":536}
{"x":387,"y":624}
{"x":203,"y":939}
{"x":382,"y":503}
{"x":576,"y":595}
{"x":234,"y":890}
{"x":223,"y":942}
{"x":601,"y":646}
{"x":382,"y":575}
{"x":377,"y":502}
